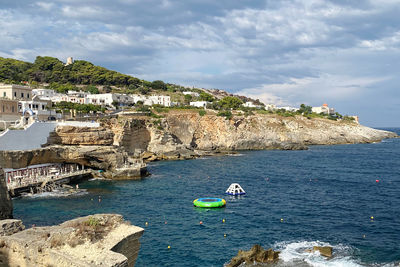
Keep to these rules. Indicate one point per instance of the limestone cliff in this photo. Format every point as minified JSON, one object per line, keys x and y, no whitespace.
{"x":70,"y":135}
{"x":96,"y":240}
{"x":185,"y":134}
{"x":6,"y":207}
{"x":113,"y":160}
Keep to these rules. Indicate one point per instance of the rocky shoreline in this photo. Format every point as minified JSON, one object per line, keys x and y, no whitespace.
{"x":121,"y":146}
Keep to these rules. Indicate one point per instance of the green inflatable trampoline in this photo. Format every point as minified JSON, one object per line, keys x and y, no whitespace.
{"x":209,"y":202}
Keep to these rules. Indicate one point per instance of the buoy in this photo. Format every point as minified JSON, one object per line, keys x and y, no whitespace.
{"x":223,"y":220}
{"x":377,"y":180}
{"x":146,"y":223}
{"x":224,"y":235}
{"x":165,"y":222}
{"x":281,"y":219}
{"x":201,"y":222}
{"x":372,"y":217}
{"x":234,"y":190}
{"x":169,"y":247}
{"x":363,"y":236}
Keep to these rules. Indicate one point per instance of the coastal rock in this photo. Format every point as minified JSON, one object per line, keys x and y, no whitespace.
{"x":190,"y":132}
{"x":324,"y":251}
{"x":70,"y":135}
{"x":96,"y":240}
{"x":255,"y":255}
{"x":10,"y":226}
{"x":106,"y":158}
{"x":6,"y":208}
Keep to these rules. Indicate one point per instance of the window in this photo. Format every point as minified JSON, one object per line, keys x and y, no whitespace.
{"x":22,"y":95}
{"x":28,"y":96}
{"x":42,"y":107}
{"x":4,"y":94}
{"x":15,"y":94}
{"x":3,"y":108}
{"x":12,"y":109}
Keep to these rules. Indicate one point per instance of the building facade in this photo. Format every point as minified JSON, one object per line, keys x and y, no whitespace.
{"x":13,"y":91}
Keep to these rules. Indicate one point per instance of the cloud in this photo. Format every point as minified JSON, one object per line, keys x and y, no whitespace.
{"x":279,"y":51}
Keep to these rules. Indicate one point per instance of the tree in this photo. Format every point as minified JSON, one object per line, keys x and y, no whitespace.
{"x":305,"y":110}
{"x":158,"y":85}
{"x":91,"y":89}
{"x":188,"y":98}
{"x":230,"y":102}
{"x":206,"y":97}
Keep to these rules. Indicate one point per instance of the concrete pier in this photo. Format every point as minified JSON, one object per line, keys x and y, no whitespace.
{"x":37,"y":179}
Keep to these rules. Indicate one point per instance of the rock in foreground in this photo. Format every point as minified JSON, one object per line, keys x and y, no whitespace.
{"x":97,"y":240}
{"x":255,"y":254}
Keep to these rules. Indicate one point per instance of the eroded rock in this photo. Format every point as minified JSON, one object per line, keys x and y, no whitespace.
{"x":255,"y":254}
{"x":96,"y":240}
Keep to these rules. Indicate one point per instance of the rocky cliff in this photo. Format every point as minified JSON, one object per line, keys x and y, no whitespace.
{"x":6,"y":207}
{"x":96,"y":240}
{"x":186,"y":134}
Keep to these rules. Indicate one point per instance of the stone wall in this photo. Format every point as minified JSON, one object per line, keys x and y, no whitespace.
{"x":6,"y":207}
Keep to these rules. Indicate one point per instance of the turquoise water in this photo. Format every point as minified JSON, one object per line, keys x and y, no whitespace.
{"x":325,"y":195}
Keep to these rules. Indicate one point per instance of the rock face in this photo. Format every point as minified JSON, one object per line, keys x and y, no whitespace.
{"x":187,"y":134}
{"x":97,"y":240}
{"x":10,"y":226}
{"x":70,"y":135}
{"x":255,"y":254}
{"x":324,"y":251}
{"x":107,"y":158}
{"x":6,"y":208}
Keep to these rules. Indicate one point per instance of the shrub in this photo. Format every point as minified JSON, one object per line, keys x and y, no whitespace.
{"x":227,"y":114}
{"x":202,"y":112}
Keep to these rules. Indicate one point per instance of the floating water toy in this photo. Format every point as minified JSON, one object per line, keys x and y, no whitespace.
{"x":235,"y":189}
{"x":209,"y":202}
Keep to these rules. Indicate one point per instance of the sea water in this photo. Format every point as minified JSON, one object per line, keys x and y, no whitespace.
{"x":344,"y":196}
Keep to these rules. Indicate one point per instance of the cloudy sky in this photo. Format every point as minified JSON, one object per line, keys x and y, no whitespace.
{"x":344,"y":53}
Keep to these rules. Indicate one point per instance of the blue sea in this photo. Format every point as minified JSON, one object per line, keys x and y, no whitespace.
{"x":344,"y":196}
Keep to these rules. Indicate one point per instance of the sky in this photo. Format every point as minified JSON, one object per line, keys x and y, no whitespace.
{"x":343,"y":53}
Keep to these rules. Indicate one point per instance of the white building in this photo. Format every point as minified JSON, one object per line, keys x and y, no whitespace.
{"x":323,"y":109}
{"x":250,"y":104}
{"x":13,"y":91}
{"x":270,"y":107}
{"x":162,"y":100}
{"x":44,"y":93}
{"x":36,"y":108}
{"x":199,"y":104}
{"x":109,"y":99}
{"x":195,"y":94}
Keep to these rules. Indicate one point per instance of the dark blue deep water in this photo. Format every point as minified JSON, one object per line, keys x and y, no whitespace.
{"x":325,"y":195}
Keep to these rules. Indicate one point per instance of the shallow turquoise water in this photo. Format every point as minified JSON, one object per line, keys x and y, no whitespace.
{"x":325,"y":194}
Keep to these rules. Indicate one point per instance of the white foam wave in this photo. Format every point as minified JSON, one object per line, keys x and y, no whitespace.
{"x":57,"y":193}
{"x":296,"y":254}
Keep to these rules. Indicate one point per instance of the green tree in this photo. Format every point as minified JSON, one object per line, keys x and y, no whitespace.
{"x":206,"y":97}
{"x":230,"y":102}
{"x":158,"y":85}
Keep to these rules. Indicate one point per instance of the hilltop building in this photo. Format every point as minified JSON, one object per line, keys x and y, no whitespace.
{"x":323,"y":109}
{"x":70,"y":61}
